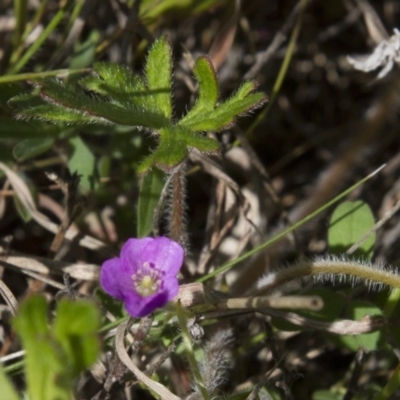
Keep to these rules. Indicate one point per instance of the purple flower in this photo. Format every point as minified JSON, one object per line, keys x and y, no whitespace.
{"x":144,"y":276}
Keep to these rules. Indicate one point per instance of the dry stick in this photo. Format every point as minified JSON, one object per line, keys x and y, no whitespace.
{"x":279,"y":38}
{"x":343,"y":327}
{"x":117,"y":368}
{"x":360,"y":359}
{"x":287,"y":376}
{"x":215,"y":171}
{"x":161,"y":390}
{"x":131,"y":24}
{"x":337,"y":28}
{"x":376,"y":29}
{"x":223,"y":41}
{"x":43,"y":265}
{"x":5,"y":292}
{"x":151,"y":369}
{"x":73,"y":207}
{"x":291,"y":302}
{"x":22,"y":191}
{"x":266,"y":183}
{"x":218,"y":233}
{"x":254,"y":393}
{"x":9,"y":298}
{"x":73,"y":35}
{"x":211,"y":304}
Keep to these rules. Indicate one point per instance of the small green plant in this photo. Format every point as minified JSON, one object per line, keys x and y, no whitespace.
{"x":56,"y":354}
{"x":113,"y":95}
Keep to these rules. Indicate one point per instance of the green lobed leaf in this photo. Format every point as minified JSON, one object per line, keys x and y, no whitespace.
{"x":224,"y":115}
{"x":208,"y":90}
{"x":54,"y":113}
{"x":158,"y":75}
{"x":350,"y":221}
{"x":168,"y":154}
{"x":151,"y":186}
{"x":91,"y":109}
{"x":174,"y":144}
{"x":125,"y":99}
{"x":27,"y":100}
{"x":117,"y":82}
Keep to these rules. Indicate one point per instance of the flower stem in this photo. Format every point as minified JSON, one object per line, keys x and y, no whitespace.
{"x":190,"y":352}
{"x":177,"y":211}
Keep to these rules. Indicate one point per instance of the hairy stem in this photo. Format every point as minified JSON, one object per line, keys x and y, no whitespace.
{"x":331,"y":269}
{"x":177,"y":207}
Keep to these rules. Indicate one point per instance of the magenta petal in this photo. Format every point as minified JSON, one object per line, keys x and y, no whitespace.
{"x":166,"y":254}
{"x":171,"y":286}
{"x":159,"y":259}
{"x":134,"y":252}
{"x":138,"y":306}
{"x":110,"y":278}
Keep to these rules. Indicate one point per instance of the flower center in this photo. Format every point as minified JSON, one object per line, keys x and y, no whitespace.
{"x":146,"y":280}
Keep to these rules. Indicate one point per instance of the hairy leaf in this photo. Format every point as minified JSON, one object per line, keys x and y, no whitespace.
{"x":208,"y":90}
{"x":158,"y":74}
{"x":113,"y":95}
{"x":174,"y":145}
{"x":224,"y":114}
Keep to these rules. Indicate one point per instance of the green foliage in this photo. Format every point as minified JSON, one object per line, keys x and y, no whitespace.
{"x":30,"y":148}
{"x":350,"y":221}
{"x":155,"y":9}
{"x":7,"y":390}
{"x":56,"y":354}
{"x":326,"y":395}
{"x":116,"y":96}
{"x":82,"y":160}
{"x":150,"y":189}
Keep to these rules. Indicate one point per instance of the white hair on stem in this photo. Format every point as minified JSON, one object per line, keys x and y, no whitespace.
{"x":332,"y":269}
